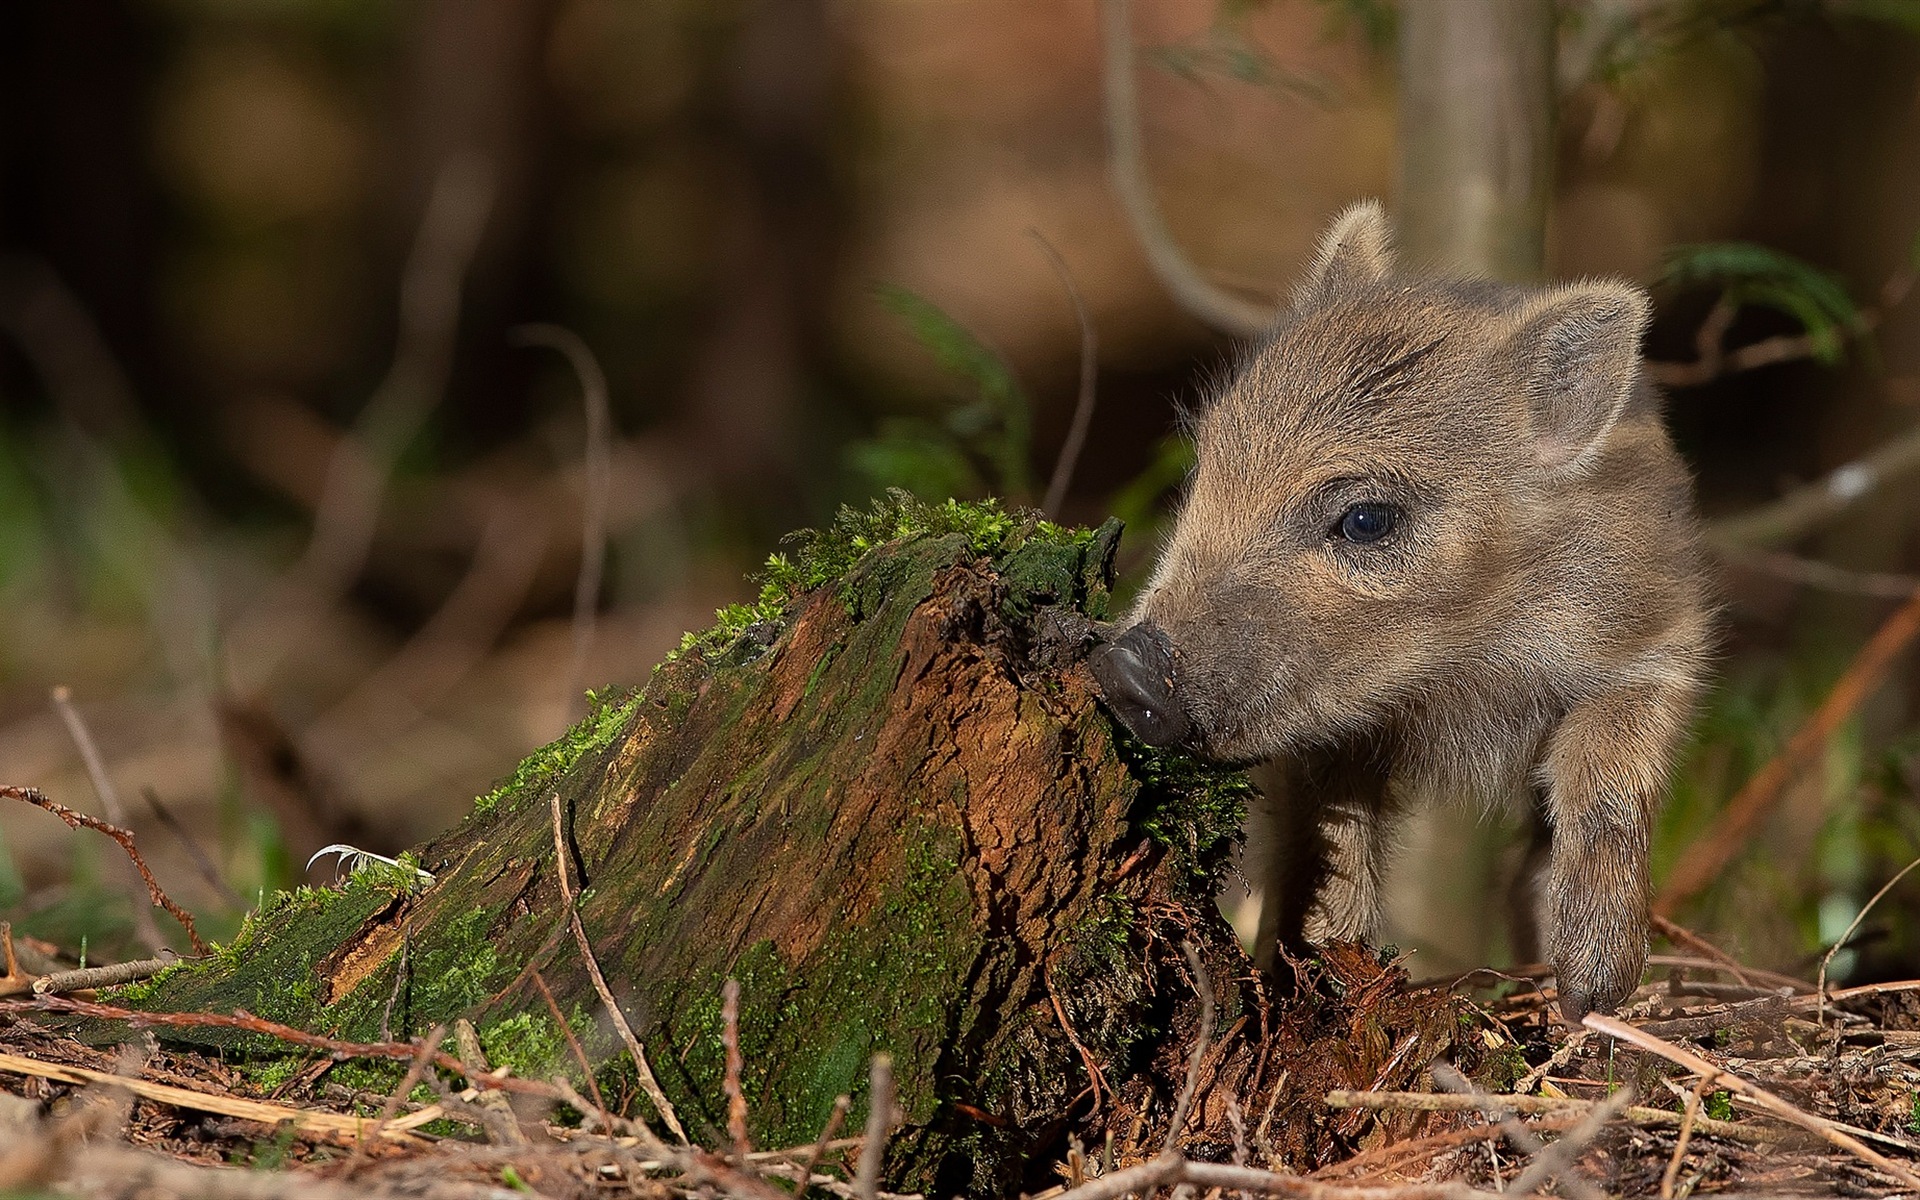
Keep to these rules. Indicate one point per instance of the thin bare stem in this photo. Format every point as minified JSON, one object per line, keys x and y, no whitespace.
{"x":1076,"y":440}
{"x":80,"y":820}
{"x":1687,"y":1118}
{"x":648,"y":1084}
{"x":873,"y":1151}
{"x":1531,"y":1106}
{"x":573,"y":1042}
{"x":202,"y":861}
{"x":835,"y":1119}
{"x":599,"y":473}
{"x":1127,"y":170}
{"x":1202,"y":1039}
{"x":1810,"y":572}
{"x":1820,"y":985}
{"x":144,"y":925}
{"x":399,"y":985}
{"x":730,"y":1085}
{"x":1760,"y":1098}
{"x":1559,"y":1156}
{"x":1806,"y":508}
{"x":416,"y":1070}
{"x":430,"y":288}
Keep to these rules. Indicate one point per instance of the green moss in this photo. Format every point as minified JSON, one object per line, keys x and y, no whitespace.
{"x":833,"y":556}
{"x":532,"y":1044}
{"x":1720,"y":1105}
{"x":1193,"y":808}
{"x":606,"y":717}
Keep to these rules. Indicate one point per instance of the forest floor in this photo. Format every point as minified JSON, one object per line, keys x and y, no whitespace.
{"x":1714,"y":1079}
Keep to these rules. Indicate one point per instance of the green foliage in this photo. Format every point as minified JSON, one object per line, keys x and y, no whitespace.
{"x":1720,"y":1106}
{"x":1903,"y":13}
{"x":1377,"y":20}
{"x":1758,"y":275}
{"x":993,"y":426}
{"x":1223,"y":50}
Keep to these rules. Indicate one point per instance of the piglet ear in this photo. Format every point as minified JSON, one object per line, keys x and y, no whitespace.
{"x":1578,"y":350}
{"x":1357,"y":249}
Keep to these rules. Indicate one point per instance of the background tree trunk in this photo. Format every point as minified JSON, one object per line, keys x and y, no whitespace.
{"x":1476,"y":135}
{"x":1476,"y":146}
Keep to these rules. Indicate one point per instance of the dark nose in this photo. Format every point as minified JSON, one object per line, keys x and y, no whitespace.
{"x":1135,"y":674}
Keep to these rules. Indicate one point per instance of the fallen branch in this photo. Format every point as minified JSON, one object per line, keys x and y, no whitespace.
{"x":1127,"y":170}
{"x":1811,"y":572}
{"x":648,"y":1083}
{"x":1709,"y":855}
{"x":202,"y":862}
{"x":80,"y":820}
{"x":87,"y":978}
{"x":1524,"y":1140}
{"x":1170,"y":1170}
{"x":1712,"y":360}
{"x":1805,"y":508}
{"x":325,"y":1124}
{"x":246,"y":1022}
{"x":1536,"y":1106}
{"x":1202,"y":1039}
{"x":1760,"y":1097}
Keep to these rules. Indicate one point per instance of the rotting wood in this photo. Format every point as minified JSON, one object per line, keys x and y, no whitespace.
{"x":884,"y":800}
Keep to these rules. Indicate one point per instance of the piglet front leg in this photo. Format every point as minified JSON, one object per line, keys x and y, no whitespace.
{"x":1605,"y":773}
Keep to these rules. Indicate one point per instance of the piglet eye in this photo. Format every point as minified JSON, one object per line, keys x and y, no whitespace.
{"x":1365,"y":523}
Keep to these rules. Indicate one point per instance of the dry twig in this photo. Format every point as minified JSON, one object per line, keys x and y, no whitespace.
{"x":578,"y":1051}
{"x":88,"y":978}
{"x":1533,"y":1106}
{"x":246,"y":1022}
{"x":1202,"y":1038}
{"x":143,"y":923}
{"x":202,"y":862}
{"x":1498,"y":1109}
{"x":1760,"y":1098}
{"x":736,"y":1095}
{"x":835,"y":1119}
{"x":1687,"y":1119}
{"x":648,"y":1083}
{"x":324,"y":1124}
{"x":80,"y":820}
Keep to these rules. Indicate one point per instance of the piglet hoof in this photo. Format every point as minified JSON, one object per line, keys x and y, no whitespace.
{"x":1574,"y":1005}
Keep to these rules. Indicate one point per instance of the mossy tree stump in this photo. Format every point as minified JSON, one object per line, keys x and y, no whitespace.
{"x":883,"y":799}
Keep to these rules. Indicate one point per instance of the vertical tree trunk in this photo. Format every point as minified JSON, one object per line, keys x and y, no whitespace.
{"x":1476,"y":135}
{"x":1476,"y":181}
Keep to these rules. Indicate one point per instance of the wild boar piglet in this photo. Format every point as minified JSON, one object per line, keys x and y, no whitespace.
{"x":1437,"y":545}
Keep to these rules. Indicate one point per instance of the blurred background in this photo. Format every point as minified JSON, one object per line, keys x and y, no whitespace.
{"x":297,"y":516}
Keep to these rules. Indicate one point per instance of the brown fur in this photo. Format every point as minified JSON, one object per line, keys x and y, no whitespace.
{"x":1536,"y":620}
